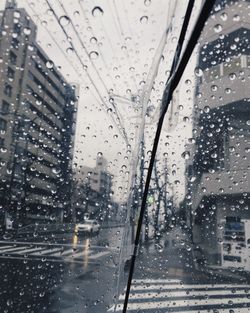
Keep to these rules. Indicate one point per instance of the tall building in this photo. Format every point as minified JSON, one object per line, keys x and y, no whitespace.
{"x":37,"y":120}
{"x":93,"y":190}
{"x":218,"y":179}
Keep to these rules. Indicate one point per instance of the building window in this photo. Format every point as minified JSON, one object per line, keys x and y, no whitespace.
{"x":3,"y":124}
{"x":15,"y":43}
{"x":17,"y":28}
{"x":5,"y":107}
{"x":8,"y":90}
{"x":10,"y":73}
{"x":13,"y":58}
{"x":1,"y":142}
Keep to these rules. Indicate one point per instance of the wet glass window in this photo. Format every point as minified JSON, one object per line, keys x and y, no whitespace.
{"x":124,"y":156}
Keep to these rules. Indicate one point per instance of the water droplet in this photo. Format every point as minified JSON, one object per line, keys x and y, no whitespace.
{"x":44,"y":23}
{"x":214,"y":88}
{"x":56,"y":170}
{"x":228,"y":90}
{"x":248,"y":122}
{"x":97,"y":11}
{"x":9,"y":302}
{"x":185,"y":155}
{"x":64,"y":20}
{"x":93,"y":55}
{"x":147,"y":3}
{"x":17,"y":14}
{"x":27,"y":31}
{"x":49,"y":12}
{"x":218,"y":28}
{"x":144,"y":19}
{"x":236,"y":18}
{"x":69,"y":50}
{"x":206,"y":109}
{"x":41,"y":294}
{"x":233,"y":47}
{"x":99,"y":154}
{"x":76,"y":13}
{"x":93,"y":40}
{"x":198,"y":71}
{"x":49,"y":64}
{"x":223,"y":16}
{"x":159,"y":247}
{"x":232,"y":76}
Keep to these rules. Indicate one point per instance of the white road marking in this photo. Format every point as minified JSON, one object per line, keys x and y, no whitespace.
{"x":68,"y":255}
{"x":153,"y":294}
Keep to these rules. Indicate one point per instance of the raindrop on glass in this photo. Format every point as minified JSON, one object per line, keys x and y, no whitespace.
{"x":27,"y":31}
{"x":93,"y":40}
{"x":93,"y":55}
{"x":236,"y":18}
{"x":223,"y":16}
{"x":76,"y":13}
{"x":64,"y":20}
{"x":218,"y":28}
{"x":232,"y":76}
{"x":49,"y":64}
{"x":214,"y":88}
{"x":69,"y":50}
{"x":97,"y":11}
{"x":198,"y":72}
{"x":144,"y":19}
{"x":185,"y":155}
{"x":147,"y":3}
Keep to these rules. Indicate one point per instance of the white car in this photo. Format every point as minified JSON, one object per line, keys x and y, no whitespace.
{"x":89,"y":226}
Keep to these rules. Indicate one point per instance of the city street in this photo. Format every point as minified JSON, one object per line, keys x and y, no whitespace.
{"x":167,"y":280}
{"x":73,"y":274}
{"x":70,"y":273}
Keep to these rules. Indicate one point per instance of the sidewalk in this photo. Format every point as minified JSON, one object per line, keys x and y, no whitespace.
{"x":156,"y":261}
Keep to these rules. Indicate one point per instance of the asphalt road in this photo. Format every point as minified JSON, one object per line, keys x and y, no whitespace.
{"x":59,"y":273}
{"x":65,"y":273}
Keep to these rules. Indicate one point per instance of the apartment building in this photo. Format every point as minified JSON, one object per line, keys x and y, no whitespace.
{"x":37,"y":120}
{"x":219,"y":176}
{"x":93,"y":190}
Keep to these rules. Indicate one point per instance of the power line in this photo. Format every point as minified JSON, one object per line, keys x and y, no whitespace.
{"x":120,"y":128}
{"x":93,"y":35}
{"x":54,"y":40}
{"x":84,"y":48}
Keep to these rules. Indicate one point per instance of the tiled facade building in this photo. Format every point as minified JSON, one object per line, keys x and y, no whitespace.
{"x":37,"y":121}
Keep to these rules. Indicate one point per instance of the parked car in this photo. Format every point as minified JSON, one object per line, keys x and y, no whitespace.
{"x":89,"y":226}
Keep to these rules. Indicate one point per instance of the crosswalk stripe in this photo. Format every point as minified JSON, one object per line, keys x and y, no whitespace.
{"x":162,"y":287}
{"x":5,"y":247}
{"x":46,"y":251}
{"x":155,"y":281}
{"x":11,"y":250}
{"x":98,"y":255}
{"x":67,"y":255}
{"x":184,"y":293}
{"x":37,"y":249}
{"x":172,"y":297}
